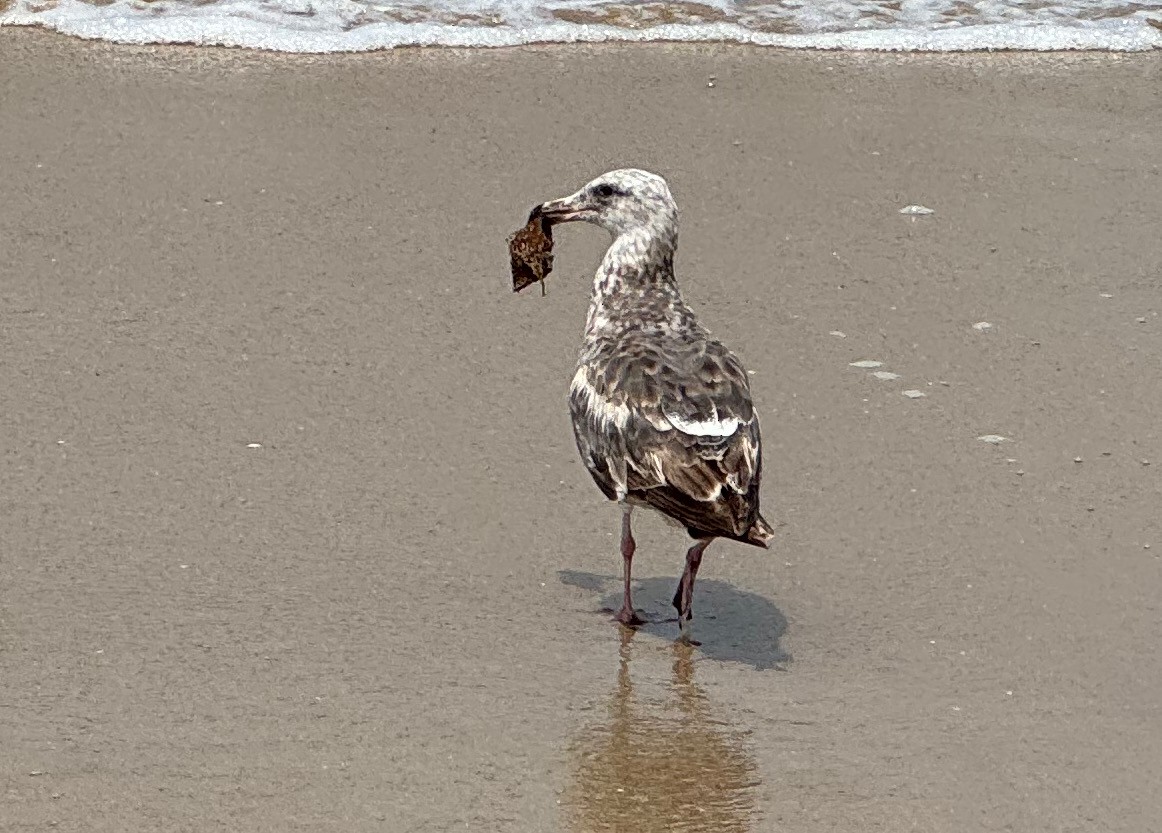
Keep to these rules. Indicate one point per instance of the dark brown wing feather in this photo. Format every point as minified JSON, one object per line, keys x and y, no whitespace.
{"x":628,"y":412}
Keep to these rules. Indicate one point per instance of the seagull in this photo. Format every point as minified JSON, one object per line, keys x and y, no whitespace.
{"x":661,"y":411}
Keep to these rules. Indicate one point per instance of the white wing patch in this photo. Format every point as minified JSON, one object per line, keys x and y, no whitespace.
{"x":606,"y":413}
{"x":713,"y":427}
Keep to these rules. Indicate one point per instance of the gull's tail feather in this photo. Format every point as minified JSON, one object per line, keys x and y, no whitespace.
{"x":760,"y":533}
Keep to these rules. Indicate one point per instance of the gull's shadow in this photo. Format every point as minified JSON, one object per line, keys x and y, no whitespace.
{"x":732,"y":625}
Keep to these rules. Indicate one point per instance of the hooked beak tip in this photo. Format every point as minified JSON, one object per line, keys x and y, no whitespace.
{"x":556,"y":211}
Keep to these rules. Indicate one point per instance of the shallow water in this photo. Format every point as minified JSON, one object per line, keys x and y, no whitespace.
{"x":358,"y":25}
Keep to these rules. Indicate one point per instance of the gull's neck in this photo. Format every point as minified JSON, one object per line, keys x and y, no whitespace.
{"x":636,"y":273}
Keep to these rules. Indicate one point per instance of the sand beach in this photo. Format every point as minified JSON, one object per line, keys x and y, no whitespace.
{"x":294,"y":536}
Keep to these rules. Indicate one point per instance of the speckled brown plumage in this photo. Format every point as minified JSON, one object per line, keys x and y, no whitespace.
{"x":662,"y":411}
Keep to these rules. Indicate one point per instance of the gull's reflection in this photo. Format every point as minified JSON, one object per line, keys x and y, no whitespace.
{"x":660,"y":766}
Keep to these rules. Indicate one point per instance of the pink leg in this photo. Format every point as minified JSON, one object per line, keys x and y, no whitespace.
{"x":684,"y":596}
{"x":627,"y":616}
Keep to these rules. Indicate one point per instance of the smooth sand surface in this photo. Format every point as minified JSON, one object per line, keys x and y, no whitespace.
{"x":388,"y":616}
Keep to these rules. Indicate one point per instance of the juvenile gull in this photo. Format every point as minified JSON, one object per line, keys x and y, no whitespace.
{"x":662,"y":412}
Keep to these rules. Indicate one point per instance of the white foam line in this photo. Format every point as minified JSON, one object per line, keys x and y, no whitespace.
{"x":201,"y":28}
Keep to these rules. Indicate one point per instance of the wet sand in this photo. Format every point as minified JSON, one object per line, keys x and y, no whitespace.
{"x":388,"y":615}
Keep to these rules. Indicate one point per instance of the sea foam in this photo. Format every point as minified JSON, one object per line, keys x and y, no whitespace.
{"x":318,"y":26}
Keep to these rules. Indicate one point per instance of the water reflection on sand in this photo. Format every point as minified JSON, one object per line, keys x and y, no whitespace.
{"x":660,"y":764}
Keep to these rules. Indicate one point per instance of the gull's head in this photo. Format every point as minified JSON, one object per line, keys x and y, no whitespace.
{"x":621,"y":202}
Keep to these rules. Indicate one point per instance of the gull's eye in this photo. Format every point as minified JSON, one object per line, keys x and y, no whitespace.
{"x":604,"y":191}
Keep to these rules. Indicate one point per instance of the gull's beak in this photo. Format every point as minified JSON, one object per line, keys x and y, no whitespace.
{"x":563,"y":210}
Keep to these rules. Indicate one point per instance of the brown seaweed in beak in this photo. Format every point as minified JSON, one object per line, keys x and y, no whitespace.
{"x":530,"y":251}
